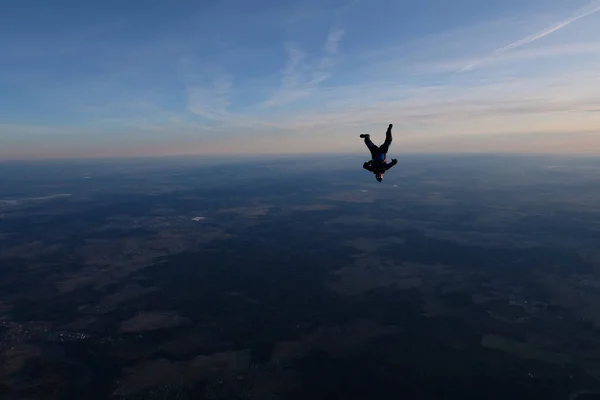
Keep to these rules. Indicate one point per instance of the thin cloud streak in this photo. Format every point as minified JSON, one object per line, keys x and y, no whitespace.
{"x":333,"y":40}
{"x":294,"y":84}
{"x":578,"y":48}
{"x":211,"y":102}
{"x":534,"y":37}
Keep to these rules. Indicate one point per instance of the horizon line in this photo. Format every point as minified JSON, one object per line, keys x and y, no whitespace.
{"x":246,"y":156}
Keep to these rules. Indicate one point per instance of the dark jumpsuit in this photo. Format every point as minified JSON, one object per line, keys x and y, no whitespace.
{"x":378,"y":164}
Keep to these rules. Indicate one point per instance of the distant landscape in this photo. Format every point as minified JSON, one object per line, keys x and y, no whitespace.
{"x":457,"y":277}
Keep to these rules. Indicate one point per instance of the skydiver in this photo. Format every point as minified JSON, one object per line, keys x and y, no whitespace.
{"x":377,"y":164}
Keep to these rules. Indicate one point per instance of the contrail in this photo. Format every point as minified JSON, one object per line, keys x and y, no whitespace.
{"x":534,"y":37}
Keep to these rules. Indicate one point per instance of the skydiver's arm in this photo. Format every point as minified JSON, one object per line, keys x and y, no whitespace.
{"x":390,"y":165}
{"x":368,"y":166}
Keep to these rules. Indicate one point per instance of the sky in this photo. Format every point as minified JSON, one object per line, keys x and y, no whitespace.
{"x":119,"y":78}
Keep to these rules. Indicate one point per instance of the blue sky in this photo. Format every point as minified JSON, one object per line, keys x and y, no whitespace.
{"x":128,"y":78}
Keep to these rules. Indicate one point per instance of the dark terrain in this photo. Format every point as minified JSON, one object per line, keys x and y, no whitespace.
{"x":465,"y":277}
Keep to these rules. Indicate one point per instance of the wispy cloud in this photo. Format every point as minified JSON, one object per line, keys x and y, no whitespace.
{"x":333,"y":40}
{"x":212,"y":101}
{"x":299,"y":78}
{"x":519,"y":55}
{"x":291,"y":80}
{"x":591,"y":9}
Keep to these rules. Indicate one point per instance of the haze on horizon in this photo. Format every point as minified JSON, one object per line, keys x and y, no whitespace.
{"x":114,"y":78}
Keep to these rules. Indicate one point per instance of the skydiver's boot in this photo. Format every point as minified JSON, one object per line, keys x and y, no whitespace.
{"x":365,"y":135}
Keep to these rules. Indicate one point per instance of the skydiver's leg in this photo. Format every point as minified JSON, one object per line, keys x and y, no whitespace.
{"x":370,"y":145}
{"x":385,"y":147}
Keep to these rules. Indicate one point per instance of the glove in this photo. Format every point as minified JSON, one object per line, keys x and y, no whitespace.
{"x":394,"y":161}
